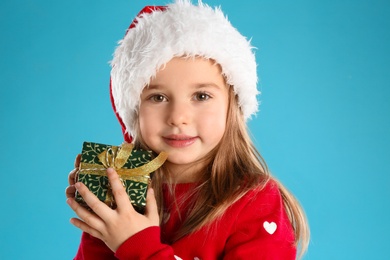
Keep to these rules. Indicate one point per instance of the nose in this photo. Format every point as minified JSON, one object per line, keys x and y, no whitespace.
{"x":179,"y":113}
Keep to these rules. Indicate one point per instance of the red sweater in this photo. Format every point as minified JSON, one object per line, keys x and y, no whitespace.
{"x":255,"y":227}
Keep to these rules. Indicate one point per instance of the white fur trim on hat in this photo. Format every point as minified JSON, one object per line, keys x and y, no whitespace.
{"x":182,"y":29}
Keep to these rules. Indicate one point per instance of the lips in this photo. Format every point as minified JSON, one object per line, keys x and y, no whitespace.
{"x":179,"y":141}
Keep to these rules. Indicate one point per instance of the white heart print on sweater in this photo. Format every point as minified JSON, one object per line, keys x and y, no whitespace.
{"x":270,"y":227}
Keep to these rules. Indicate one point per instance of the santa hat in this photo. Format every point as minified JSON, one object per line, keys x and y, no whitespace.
{"x":179,"y":29}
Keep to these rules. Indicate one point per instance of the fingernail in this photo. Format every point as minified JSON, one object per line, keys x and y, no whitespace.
{"x":77,"y":185}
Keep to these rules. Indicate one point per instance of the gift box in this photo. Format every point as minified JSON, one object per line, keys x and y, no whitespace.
{"x":132,"y":165}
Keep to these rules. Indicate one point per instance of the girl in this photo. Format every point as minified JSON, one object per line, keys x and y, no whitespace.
{"x":184,"y":81}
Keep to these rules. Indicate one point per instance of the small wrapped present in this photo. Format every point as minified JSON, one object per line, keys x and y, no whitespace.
{"x":132,"y":165}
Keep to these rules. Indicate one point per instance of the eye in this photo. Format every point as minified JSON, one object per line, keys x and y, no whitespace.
{"x":201,"y":96}
{"x":158,"y":98}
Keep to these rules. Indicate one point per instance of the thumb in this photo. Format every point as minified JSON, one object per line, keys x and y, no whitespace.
{"x":151,"y":210}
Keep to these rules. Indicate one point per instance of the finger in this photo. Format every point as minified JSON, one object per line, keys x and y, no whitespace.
{"x":71,"y":176}
{"x":89,"y":218}
{"x":86,"y":228}
{"x":70,"y":191}
{"x":121,"y":198}
{"x":100,"y":208}
{"x":151,"y":210}
{"x":77,"y":161}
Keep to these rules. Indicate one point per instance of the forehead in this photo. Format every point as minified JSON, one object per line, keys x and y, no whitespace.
{"x":189,"y":69}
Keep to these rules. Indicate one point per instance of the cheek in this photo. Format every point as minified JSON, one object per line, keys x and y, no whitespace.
{"x":143,"y":127}
{"x":214,"y":125}
{"x":147,"y":123}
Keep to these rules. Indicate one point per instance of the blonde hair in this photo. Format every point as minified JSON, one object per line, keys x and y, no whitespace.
{"x":231,"y":169}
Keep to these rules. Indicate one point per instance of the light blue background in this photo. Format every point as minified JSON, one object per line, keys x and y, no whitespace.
{"x":323,"y":128}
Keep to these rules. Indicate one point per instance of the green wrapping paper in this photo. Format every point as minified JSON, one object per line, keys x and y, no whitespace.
{"x":132,"y":165}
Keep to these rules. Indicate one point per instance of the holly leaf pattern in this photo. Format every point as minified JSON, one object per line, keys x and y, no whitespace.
{"x":99,"y":185}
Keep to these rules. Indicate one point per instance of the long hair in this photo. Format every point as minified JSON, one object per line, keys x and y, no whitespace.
{"x":231,"y":169}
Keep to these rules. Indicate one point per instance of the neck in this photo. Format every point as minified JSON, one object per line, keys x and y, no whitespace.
{"x":186,"y":173}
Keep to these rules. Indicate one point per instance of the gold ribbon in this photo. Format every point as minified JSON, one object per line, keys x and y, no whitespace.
{"x":116,"y":157}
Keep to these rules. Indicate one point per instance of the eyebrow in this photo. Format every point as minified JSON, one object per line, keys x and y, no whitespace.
{"x":196,"y":86}
{"x":209,"y":84}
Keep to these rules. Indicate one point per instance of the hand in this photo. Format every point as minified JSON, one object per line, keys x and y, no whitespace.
{"x":70,"y":190}
{"x":113,"y":227}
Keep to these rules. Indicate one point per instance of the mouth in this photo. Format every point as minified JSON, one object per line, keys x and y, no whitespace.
{"x":179,"y":141}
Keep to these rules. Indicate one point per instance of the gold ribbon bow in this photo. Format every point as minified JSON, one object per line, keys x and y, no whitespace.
{"x":116,"y":157}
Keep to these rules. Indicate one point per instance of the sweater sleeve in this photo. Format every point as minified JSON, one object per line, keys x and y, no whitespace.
{"x":262,"y":229}
{"x":143,"y":245}
{"x":146,"y":244}
{"x":93,"y":248}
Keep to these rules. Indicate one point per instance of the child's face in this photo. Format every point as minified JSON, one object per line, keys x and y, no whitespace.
{"x":183,"y":110}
